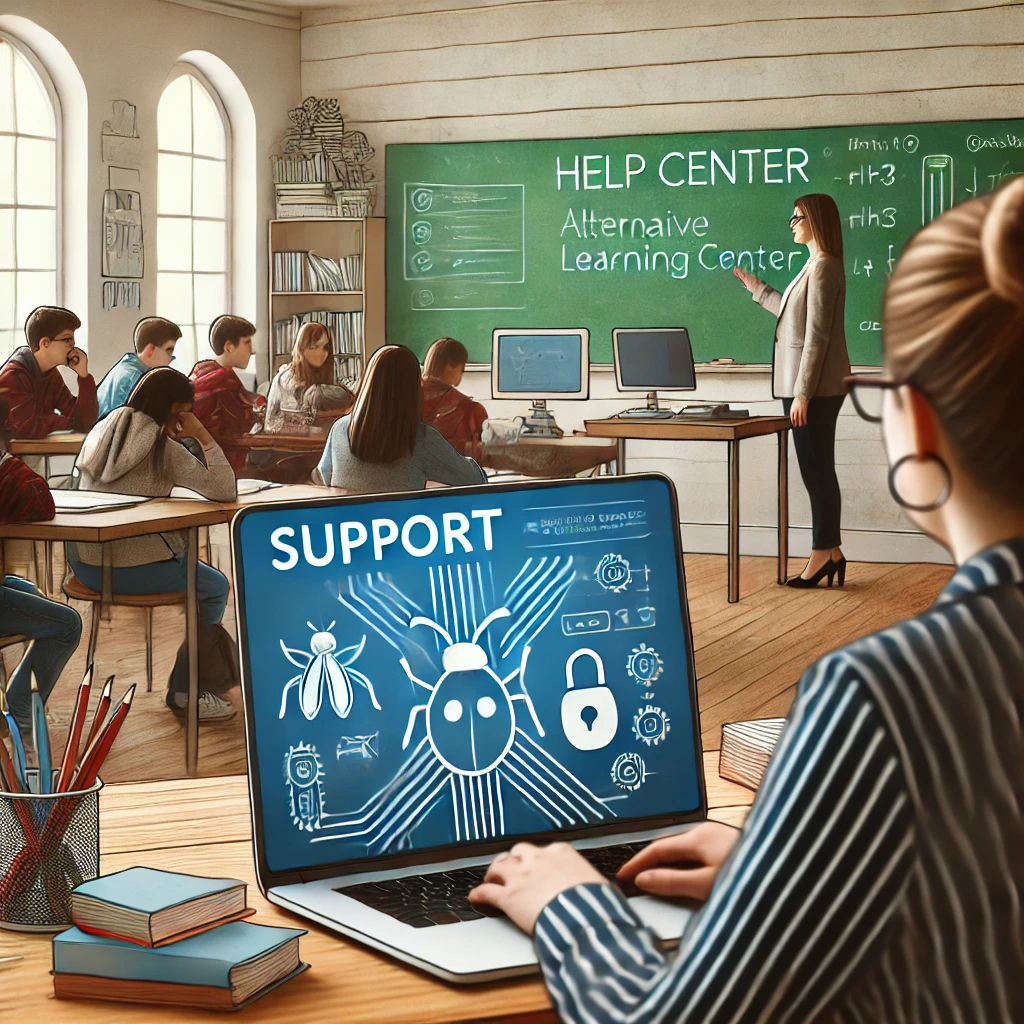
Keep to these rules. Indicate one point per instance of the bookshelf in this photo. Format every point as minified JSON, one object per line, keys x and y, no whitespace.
{"x":355,"y":314}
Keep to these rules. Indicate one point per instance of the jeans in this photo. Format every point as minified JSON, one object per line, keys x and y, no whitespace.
{"x":164,"y":577}
{"x":56,"y":629}
{"x":816,"y":454}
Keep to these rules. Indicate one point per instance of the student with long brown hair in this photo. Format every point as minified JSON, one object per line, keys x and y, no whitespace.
{"x":455,"y":416}
{"x":383,"y":444}
{"x":306,"y":384}
{"x":879,"y":875}
{"x":809,"y":362}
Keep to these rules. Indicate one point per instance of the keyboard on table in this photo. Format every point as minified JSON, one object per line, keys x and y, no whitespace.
{"x":442,"y":897}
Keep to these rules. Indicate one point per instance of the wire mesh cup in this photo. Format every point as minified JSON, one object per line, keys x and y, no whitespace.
{"x":49,"y":843}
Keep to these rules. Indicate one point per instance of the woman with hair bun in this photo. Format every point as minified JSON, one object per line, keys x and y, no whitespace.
{"x":880,"y":874}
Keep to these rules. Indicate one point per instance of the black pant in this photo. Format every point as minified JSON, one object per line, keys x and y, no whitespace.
{"x":816,"y":452}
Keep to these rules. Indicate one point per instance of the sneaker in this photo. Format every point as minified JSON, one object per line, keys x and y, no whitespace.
{"x":211,"y":708}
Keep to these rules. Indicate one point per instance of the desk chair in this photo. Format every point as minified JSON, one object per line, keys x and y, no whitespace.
{"x":8,"y":641}
{"x":76,"y":590}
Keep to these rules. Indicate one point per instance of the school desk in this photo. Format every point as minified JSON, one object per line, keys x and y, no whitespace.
{"x":549,"y":457}
{"x":159,"y":515}
{"x":202,"y":826}
{"x":731,"y":432}
{"x":51,"y":444}
{"x":277,"y":442}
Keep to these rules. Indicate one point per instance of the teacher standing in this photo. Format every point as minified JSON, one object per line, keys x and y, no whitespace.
{"x":809,"y":363}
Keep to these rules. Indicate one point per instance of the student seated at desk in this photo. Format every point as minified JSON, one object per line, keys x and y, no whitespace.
{"x":306,"y":384}
{"x":24,"y":495}
{"x":155,"y":339}
{"x":879,"y":876}
{"x":222,"y":404}
{"x":38,"y":400}
{"x":131,"y":451}
{"x":383,"y":444}
{"x":455,"y":416}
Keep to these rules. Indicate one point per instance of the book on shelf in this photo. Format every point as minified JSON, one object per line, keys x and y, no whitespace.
{"x":288,"y":276}
{"x":747,"y":748}
{"x":153,"y":908}
{"x":327,"y":275}
{"x":222,"y":969}
{"x":301,"y":167}
{"x":346,"y":329}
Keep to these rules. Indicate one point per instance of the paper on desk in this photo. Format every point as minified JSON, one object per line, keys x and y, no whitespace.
{"x":244,"y":487}
{"x":93,"y":501}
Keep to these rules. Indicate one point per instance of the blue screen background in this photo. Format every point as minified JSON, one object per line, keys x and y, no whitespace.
{"x":530,"y":363}
{"x":586,"y":567}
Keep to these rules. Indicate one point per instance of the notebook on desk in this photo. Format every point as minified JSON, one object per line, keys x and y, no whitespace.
{"x":439,"y":675}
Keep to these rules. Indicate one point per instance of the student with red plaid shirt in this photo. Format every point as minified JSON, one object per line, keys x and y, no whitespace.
{"x":38,"y":400}
{"x":455,"y":416}
{"x":222,"y":404}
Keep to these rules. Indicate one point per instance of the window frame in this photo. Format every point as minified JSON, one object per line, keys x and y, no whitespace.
{"x":181,"y":70}
{"x":22,"y":49}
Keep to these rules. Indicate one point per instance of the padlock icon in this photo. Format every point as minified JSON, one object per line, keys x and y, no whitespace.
{"x":589,"y":715}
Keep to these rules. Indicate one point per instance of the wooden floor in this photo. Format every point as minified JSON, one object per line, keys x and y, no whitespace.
{"x":750,"y":655}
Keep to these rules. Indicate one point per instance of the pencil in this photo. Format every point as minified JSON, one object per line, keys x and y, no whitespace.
{"x":41,"y":738}
{"x":17,"y":747}
{"x":67,"y":765}
{"x":94,"y":757}
{"x":101,"y":712}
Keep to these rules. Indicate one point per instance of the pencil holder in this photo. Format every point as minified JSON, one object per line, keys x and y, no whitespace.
{"x":49,"y":843}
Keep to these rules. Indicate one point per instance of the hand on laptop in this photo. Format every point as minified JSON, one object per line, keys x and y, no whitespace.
{"x":681,"y":866}
{"x":522,"y":882}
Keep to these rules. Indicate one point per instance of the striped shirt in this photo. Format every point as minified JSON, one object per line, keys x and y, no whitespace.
{"x":880,"y":873}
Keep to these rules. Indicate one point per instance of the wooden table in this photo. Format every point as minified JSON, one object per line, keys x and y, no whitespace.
{"x":203,"y":826}
{"x":51,"y":444}
{"x":549,"y":457}
{"x":160,"y":515}
{"x":277,"y":442}
{"x":731,"y":432}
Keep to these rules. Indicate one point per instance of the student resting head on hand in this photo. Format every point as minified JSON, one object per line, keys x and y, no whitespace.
{"x":455,"y":416}
{"x":135,"y":450}
{"x":383,"y":444}
{"x":879,"y":874}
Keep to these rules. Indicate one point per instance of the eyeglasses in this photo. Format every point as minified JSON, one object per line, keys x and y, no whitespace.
{"x":796,"y":218}
{"x":868,"y":394}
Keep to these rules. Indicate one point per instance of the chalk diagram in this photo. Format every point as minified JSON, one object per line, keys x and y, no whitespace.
{"x":650,"y":725}
{"x":470,"y":740}
{"x":364,"y":746}
{"x":322,"y":670}
{"x":304,"y":776}
{"x":644,"y":665}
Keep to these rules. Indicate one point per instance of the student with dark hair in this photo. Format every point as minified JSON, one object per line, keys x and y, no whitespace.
{"x":306,"y":384}
{"x":155,"y":338}
{"x":809,"y":362}
{"x":879,"y":875}
{"x":455,"y":416}
{"x":383,"y":444}
{"x":132,"y":451}
{"x":37,"y":398}
{"x":222,"y":404}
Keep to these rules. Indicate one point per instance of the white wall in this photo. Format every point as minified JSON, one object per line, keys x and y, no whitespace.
{"x":125,"y":49}
{"x":463,"y":70}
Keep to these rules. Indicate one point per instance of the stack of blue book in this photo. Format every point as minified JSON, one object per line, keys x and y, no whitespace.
{"x":148,"y":936}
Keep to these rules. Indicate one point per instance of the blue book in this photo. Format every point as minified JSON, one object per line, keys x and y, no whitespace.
{"x":224,"y":968}
{"x":154,"y":907}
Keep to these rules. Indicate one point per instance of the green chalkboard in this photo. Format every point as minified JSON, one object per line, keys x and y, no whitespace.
{"x":642,"y":231}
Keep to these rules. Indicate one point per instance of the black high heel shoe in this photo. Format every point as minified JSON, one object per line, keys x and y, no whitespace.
{"x":830,"y":569}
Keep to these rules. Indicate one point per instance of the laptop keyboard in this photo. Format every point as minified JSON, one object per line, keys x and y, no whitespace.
{"x":442,"y":897}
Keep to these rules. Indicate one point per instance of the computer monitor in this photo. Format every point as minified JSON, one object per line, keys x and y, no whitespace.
{"x":653,"y":359}
{"x":540,"y":364}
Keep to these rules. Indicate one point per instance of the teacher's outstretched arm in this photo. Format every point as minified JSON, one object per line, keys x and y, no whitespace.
{"x":763,"y":294}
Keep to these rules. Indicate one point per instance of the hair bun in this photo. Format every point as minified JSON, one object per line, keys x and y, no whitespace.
{"x":1002,"y":242}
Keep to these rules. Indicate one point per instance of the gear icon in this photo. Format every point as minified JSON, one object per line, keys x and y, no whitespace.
{"x":645,"y":665}
{"x":612,"y":573}
{"x":629,"y":772}
{"x":650,"y":725}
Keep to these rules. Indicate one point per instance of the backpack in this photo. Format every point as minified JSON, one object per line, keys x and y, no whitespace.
{"x":218,"y":662}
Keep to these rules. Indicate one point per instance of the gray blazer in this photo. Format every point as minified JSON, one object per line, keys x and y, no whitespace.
{"x":810,"y":358}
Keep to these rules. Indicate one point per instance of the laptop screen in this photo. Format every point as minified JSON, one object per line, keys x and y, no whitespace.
{"x":464,"y":666}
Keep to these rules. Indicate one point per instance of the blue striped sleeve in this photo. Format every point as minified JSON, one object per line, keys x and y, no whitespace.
{"x":797,"y":911}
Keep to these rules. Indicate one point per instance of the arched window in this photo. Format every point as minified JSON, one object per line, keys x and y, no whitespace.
{"x":28,"y":193}
{"x":192,"y":212}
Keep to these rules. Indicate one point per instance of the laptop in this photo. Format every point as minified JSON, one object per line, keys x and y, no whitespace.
{"x":430,"y":678}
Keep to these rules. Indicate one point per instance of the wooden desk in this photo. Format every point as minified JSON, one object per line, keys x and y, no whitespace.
{"x":160,"y":515}
{"x":203,"y":826}
{"x":51,"y":444}
{"x":278,"y":442}
{"x":549,"y":457}
{"x":731,"y":432}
